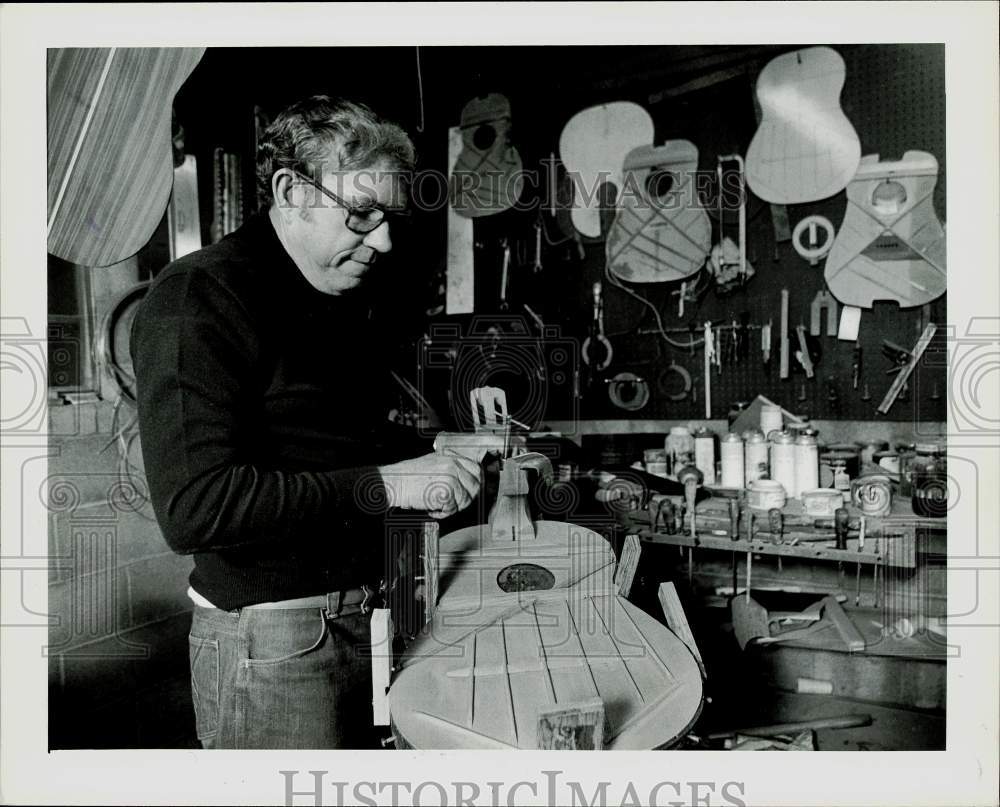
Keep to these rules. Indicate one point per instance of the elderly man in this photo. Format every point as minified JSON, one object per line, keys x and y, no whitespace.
{"x":264,"y":439}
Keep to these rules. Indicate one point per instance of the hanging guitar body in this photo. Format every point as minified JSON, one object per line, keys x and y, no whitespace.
{"x":661,"y":232}
{"x":521,"y":626}
{"x":593,"y":146}
{"x":891,"y":245}
{"x":110,"y":166}
{"x":487,"y":177}
{"x":805,"y":148}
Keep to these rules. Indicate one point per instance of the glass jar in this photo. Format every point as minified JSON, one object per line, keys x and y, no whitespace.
{"x":929,"y":482}
{"x":680,"y":448}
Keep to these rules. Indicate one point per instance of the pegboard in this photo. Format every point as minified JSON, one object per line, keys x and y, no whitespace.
{"x":894,"y":97}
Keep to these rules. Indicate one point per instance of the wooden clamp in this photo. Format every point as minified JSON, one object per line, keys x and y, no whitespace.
{"x":510,"y":518}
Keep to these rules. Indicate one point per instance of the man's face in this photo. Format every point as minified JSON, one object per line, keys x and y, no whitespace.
{"x":333,"y":257}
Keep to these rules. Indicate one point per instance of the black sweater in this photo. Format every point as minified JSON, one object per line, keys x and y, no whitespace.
{"x":262,"y":416}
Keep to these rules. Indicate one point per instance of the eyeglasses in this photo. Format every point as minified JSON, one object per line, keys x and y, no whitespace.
{"x":360,"y":220}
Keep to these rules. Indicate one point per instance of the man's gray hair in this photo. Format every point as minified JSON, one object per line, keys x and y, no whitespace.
{"x":318,"y":129}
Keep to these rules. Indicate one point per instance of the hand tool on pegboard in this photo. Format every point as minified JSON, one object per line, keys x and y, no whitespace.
{"x":783,"y":336}
{"x":823,"y":301}
{"x":907,"y":369}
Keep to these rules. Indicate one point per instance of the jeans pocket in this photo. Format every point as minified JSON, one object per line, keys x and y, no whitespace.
{"x":205,"y":685}
{"x":286,"y":635}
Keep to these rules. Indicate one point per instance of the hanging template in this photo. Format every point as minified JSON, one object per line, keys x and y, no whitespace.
{"x":487,"y":177}
{"x":891,"y":245}
{"x":593,"y":146}
{"x":661,"y":231}
{"x":805,"y":148}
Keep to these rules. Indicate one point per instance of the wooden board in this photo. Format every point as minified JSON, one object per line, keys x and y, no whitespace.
{"x":381,"y":641}
{"x":889,"y":247}
{"x":805,"y":148}
{"x":110,"y":165}
{"x":460,"y":259}
{"x":593,"y":146}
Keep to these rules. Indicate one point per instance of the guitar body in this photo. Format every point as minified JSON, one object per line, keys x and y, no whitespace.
{"x":891,"y":245}
{"x":593,"y":146}
{"x":522,"y":626}
{"x":661,"y":232}
{"x":110,"y":166}
{"x":486,"y":178}
{"x":805,"y":148}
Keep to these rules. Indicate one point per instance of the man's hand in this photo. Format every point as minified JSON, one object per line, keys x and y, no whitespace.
{"x":441,"y":484}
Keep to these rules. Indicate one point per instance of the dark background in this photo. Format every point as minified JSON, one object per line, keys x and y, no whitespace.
{"x":893,"y":95}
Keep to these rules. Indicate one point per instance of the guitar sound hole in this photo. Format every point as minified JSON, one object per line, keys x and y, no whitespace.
{"x":525,"y":577}
{"x":484,"y":137}
{"x":659,"y":184}
{"x":889,"y":195}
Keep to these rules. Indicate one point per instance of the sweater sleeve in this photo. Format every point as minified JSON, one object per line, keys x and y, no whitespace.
{"x":193,"y":349}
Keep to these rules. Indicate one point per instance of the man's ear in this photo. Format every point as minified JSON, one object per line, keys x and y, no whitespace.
{"x":281,"y":190}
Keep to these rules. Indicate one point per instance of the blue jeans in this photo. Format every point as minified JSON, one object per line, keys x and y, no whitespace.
{"x":281,"y":679}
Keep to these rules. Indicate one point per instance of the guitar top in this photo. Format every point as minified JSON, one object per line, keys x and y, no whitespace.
{"x":891,"y":245}
{"x":661,"y":231}
{"x":805,"y":148}
{"x":593,"y":146}
{"x":486,"y":178}
{"x":521,"y":626}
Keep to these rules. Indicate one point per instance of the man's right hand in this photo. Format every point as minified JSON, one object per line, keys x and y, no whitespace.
{"x":441,"y":484}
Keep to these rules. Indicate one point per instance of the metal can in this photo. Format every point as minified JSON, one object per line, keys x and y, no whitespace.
{"x":704,"y":454}
{"x":869,"y":448}
{"x":755,"y":456}
{"x":655,"y":460}
{"x":732,"y":461}
{"x":929,"y":477}
{"x":783,"y":461}
{"x":887,"y":460}
{"x":771,"y":419}
{"x":766,"y":494}
{"x":680,"y":448}
{"x":806,"y":463}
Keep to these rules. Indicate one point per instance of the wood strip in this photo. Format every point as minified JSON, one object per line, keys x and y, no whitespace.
{"x":431,"y":568}
{"x":618,"y":650}
{"x":583,"y":651}
{"x":544,"y":655}
{"x":471,"y":733}
{"x":847,"y":630}
{"x":677,"y":621}
{"x":638,"y":632}
{"x":472,"y":684}
{"x":510,"y":691}
{"x":631,"y":550}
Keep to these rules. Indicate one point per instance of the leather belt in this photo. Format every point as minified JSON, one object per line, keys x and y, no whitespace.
{"x":336,"y":603}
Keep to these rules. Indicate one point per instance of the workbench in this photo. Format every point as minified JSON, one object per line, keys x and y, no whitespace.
{"x":896,"y":552}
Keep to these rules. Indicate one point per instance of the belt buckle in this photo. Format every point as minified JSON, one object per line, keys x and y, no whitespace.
{"x":333,"y":610}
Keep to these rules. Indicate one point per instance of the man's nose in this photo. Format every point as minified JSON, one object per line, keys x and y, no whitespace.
{"x":379,"y":238}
